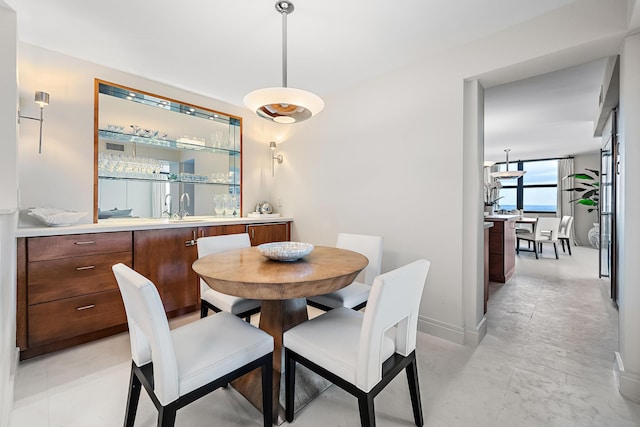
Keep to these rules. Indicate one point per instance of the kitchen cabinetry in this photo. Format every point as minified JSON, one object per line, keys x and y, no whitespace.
{"x":219,"y":230}
{"x":165,"y":258}
{"x":502,"y":241}
{"x":66,"y":291}
{"x":268,"y":233}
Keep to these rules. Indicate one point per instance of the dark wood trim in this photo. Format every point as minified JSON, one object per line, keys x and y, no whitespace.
{"x":21,"y":294}
{"x":70,"y":342}
{"x":390,"y":369}
{"x":143,"y":376}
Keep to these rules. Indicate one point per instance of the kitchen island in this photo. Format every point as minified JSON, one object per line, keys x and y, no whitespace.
{"x":502,"y":241}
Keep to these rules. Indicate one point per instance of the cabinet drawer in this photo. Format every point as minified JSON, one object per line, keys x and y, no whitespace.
{"x":67,"y":318}
{"x":69,"y":277}
{"x":56,"y":247}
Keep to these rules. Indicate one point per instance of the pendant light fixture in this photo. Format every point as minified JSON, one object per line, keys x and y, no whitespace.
{"x":284,"y":104}
{"x":507,"y":174}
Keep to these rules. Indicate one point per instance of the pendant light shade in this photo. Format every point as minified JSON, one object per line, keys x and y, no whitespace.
{"x":507,"y":174}
{"x":284,"y":104}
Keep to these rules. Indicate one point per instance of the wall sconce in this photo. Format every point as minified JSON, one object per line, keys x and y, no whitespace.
{"x":274,"y":158}
{"x":42,"y":99}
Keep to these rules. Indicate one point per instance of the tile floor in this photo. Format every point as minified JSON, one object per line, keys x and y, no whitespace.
{"x":546,"y":361}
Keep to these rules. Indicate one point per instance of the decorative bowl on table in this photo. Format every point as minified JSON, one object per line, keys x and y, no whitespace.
{"x":285,"y":251}
{"x":54,"y":217}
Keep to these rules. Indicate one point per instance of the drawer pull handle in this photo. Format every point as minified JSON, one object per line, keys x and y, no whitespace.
{"x":85,"y":307}
{"x":88,"y":242}
{"x":88,"y":267}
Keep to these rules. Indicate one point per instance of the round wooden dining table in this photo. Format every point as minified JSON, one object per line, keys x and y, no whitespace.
{"x":283,"y":288}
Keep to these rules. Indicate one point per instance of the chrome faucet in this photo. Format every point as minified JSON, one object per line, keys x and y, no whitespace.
{"x":183,"y":209}
{"x":167,"y":204}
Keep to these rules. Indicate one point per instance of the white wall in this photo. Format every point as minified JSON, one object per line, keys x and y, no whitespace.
{"x":62,"y":176}
{"x":386,"y":157}
{"x":629,"y":232}
{"x":583,"y":221}
{"x":8,"y":204}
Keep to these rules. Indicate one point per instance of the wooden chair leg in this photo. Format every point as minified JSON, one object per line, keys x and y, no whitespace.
{"x":414,"y":391}
{"x":132,"y":400}
{"x":535,"y":249}
{"x":518,"y":245}
{"x":203,"y":310}
{"x":562,"y":243}
{"x":555,"y":248}
{"x":569,"y":246}
{"x":267,"y":392}
{"x":367,"y":410}
{"x":289,"y":385}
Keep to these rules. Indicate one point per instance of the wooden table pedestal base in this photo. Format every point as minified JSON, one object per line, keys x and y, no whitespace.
{"x":276,"y":317}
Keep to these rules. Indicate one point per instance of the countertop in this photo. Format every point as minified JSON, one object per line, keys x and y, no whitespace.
{"x":130,"y":224}
{"x":501,"y":217}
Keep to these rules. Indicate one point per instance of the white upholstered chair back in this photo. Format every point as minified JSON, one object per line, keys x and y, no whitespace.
{"x":394,"y":300}
{"x":547,"y":229}
{"x":214,"y":244}
{"x":149,"y":330}
{"x":369,"y":246}
{"x":566,"y":226}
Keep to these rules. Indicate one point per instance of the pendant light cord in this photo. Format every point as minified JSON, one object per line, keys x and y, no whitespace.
{"x":284,"y":47}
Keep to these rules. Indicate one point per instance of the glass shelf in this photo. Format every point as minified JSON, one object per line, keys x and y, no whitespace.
{"x":163,"y":178}
{"x":162,"y":143}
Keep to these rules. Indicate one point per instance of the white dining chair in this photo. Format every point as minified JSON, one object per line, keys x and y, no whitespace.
{"x":353,"y":350}
{"x":179,"y":366}
{"x":565,"y":232}
{"x":211,"y":299}
{"x":545,"y":231}
{"x":356,"y":294}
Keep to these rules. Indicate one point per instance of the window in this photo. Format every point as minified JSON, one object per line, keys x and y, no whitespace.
{"x":536,"y":191}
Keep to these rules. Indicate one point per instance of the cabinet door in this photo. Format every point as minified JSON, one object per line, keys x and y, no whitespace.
{"x":165,"y":257}
{"x":267,"y":233}
{"x":220,"y":230}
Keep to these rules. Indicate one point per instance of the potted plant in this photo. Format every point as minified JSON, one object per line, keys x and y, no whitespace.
{"x":491,"y":196}
{"x":587,"y":188}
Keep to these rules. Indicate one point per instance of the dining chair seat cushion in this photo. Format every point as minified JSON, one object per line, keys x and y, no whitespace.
{"x":317,"y":340}
{"x":215,"y":346}
{"x":349,"y":296}
{"x":531,"y":236}
{"x":228,"y":303}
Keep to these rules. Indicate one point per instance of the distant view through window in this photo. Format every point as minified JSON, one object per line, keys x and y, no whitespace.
{"x":536,"y":191}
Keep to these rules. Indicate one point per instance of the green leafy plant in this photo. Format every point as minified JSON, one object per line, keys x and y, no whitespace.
{"x":587,"y":188}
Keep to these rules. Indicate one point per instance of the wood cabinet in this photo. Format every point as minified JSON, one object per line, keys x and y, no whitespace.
{"x":502,"y":243}
{"x":165,"y":257}
{"x":220,"y":230}
{"x":267,"y":233}
{"x":486,"y":264}
{"x":67,"y":293}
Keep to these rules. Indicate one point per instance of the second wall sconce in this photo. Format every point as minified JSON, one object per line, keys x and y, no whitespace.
{"x":274,"y":158}
{"x":42,"y":99}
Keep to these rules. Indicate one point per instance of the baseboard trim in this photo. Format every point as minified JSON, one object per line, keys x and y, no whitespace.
{"x":7,"y":406}
{"x":474,"y":336}
{"x":442,"y":330}
{"x":628,"y":383}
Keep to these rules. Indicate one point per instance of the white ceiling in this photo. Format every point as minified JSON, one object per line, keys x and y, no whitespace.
{"x":550,"y":115}
{"x":227,"y":49}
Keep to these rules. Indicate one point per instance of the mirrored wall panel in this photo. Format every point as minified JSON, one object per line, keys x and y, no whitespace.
{"x":157,"y":157}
